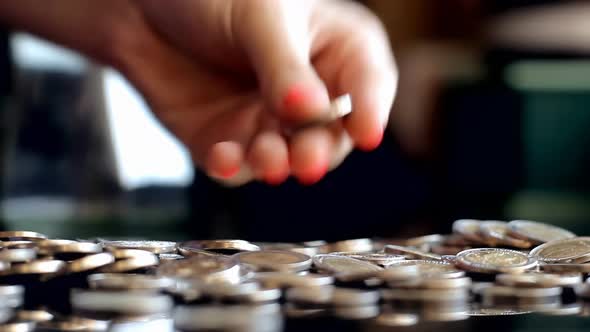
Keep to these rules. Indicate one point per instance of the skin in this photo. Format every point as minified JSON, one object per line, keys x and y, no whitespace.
{"x":228,"y":76}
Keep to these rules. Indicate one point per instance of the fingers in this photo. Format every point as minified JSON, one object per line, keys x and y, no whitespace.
{"x":310,"y":153}
{"x":276,"y":37}
{"x":269,"y":158}
{"x":224,"y":160}
{"x":370,"y":76}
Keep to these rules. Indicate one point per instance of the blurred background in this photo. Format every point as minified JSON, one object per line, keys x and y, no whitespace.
{"x":491,"y":121}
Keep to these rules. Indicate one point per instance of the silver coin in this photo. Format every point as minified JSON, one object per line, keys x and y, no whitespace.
{"x":496,"y":233}
{"x":505,"y":291}
{"x":345,"y":267}
{"x":356,"y":312}
{"x":434,"y":283}
{"x":565,"y":268}
{"x":320,"y":295}
{"x":156,"y":247}
{"x":376,"y":258}
{"x":287,"y":280}
{"x":264,"y":318}
{"x":206,"y":269}
{"x":537,"y":232}
{"x":18,"y":255}
{"x":208,"y":247}
{"x":21,"y":235}
{"x":90,"y":262}
{"x":562,"y":251}
{"x":33,"y":315}
{"x":391,"y":319}
{"x":411,"y":252}
{"x":430,"y":295}
{"x":429,"y":268}
{"x":494,"y":260}
{"x":353,"y":297}
{"x":354,"y":245}
{"x":425,"y":240}
{"x":482,"y":311}
{"x":18,"y":326}
{"x":275,"y":260}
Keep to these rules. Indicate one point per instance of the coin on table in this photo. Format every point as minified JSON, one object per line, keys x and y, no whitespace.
{"x":275,"y":260}
{"x":408,"y":251}
{"x":425,"y":240}
{"x":37,"y":267}
{"x":288,"y":280}
{"x":309,"y":251}
{"x":121,"y":302}
{"x":372,"y":257}
{"x":128,"y":260}
{"x":537,"y":279}
{"x":129,"y":281}
{"x":434,"y":283}
{"x":468,"y":228}
{"x":484,"y":311}
{"x":429,"y":268}
{"x":562,"y":251}
{"x":21,"y":235}
{"x":345,"y":267}
{"x":356,"y":245}
{"x":537,"y":232}
{"x":156,"y":247}
{"x":90,"y":262}
{"x":204,"y":268}
{"x":495,"y":260}
{"x":75,"y":250}
{"x":496,"y":233}
{"x":17,"y":255}
{"x":215,"y":247}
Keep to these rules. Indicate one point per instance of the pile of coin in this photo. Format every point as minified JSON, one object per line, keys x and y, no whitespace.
{"x":483,"y":268}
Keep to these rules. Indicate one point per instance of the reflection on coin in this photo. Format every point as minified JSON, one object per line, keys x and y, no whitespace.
{"x":395,"y":272}
{"x":17,"y":255}
{"x":156,"y":247}
{"x":345,"y":267}
{"x":536,"y":279}
{"x":18,"y":326}
{"x":537,"y":232}
{"x":425,"y":240}
{"x":33,"y":315}
{"x":37,"y":267}
{"x":275,"y":260}
{"x":411,"y":252}
{"x":562,"y":251}
{"x":428,"y":268}
{"x":575,"y":308}
{"x":356,"y":312}
{"x":74,"y":324}
{"x":128,"y":260}
{"x":494,"y":260}
{"x":496,"y":233}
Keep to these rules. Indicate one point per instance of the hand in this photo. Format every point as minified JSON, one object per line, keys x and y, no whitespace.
{"x":236,"y":71}
{"x":225,"y":76}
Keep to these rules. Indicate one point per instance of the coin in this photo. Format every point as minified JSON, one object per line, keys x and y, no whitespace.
{"x":275,"y":260}
{"x":468,"y":228}
{"x":345,"y":267}
{"x":264,"y":317}
{"x":399,"y":272}
{"x":432,"y":295}
{"x":317,"y":295}
{"x":21,"y":235}
{"x":129,"y":281}
{"x":537,"y":232}
{"x":375,"y":258}
{"x":33,"y":315}
{"x":90,"y":262}
{"x":128,"y":302}
{"x":37,"y":267}
{"x":214,"y":247}
{"x":128,"y":260}
{"x":156,"y":247}
{"x":355,"y":245}
{"x":413,"y":253}
{"x":204,"y":268}
{"x":18,"y":255}
{"x":74,"y":250}
{"x":74,"y":324}
{"x":562,"y":251}
{"x":353,"y":297}
{"x":496,"y":233}
{"x":479,"y":311}
{"x":429,"y":268}
{"x":18,"y":326}
{"x":391,"y":319}
{"x":287,"y":280}
{"x":536,"y":279}
{"x":425,"y":240}
{"x":494,"y":260}
{"x":434,"y":283}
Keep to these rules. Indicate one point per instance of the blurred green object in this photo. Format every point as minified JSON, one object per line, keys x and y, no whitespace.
{"x":556,"y":141}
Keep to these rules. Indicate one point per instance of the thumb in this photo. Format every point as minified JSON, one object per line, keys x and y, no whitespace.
{"x":277,"y":39}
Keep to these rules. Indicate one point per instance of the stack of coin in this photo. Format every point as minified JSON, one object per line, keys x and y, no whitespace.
{"x":483,"y":268}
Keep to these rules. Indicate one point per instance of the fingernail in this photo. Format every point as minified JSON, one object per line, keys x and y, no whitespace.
{"x":297,"y":94}
{"x":230,"y":172}
{"x":374,"y":142}
{"x":313,"y":175}
{"x":278,"y":175}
